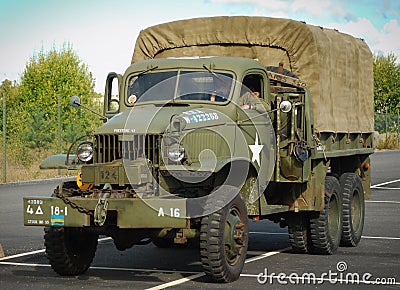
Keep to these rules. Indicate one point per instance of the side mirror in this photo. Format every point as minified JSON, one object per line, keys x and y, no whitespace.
{"x":111,"y":97}
{"x":113,"y":105}
{"x":75,"y":101}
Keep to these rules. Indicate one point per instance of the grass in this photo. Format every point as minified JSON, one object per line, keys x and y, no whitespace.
{"x":18,"y":172}
{"x":390,"y":141}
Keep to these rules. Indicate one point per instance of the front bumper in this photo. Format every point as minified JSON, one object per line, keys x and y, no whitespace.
{"x":132,"y":213}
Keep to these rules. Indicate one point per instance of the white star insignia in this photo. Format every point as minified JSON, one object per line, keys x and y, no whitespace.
{"x":256,"y":150}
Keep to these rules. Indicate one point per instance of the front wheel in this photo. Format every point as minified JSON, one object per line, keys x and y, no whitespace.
{"x":70,"y":250}
{"x":224,"y":240}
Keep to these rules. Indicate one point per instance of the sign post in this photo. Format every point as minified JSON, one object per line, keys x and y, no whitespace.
{"x":4,"y":139}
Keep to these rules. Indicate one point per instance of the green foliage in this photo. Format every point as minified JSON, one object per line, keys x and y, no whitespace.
{"x":10,"y":91}
{"x":387,"y":122}
{"x":32,"y":106}
{"x":387,"y":100}
{"x":386,"y":84}
{"x":389,"y":141}
{"x":39,"y":133}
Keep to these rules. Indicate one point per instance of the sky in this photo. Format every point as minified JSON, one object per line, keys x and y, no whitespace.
{"x":103,"y":32}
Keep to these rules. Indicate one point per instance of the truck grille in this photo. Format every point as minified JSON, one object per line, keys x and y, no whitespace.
{"x":110,"y":147}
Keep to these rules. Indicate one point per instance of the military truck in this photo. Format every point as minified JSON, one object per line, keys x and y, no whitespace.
{"x":182,"y":158}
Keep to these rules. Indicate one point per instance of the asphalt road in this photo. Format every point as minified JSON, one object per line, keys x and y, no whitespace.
{"x":270,"y":263}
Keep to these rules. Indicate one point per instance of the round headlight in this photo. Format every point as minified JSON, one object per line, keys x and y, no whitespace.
{"x":176,"y":152}
{"x":84,"y":152}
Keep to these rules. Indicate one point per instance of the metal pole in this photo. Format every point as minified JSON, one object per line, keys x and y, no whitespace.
{"x":398,"y":124}
{"x":4,"y":139}
{"x":386,"y":125}
{"x":59,"y":130}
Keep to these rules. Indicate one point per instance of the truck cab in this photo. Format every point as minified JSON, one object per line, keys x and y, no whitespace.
{"x":175,"y":122}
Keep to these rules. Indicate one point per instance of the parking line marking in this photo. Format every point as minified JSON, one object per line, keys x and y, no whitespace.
{"x":193,"y":277}
{"x":267,"y":233}
{"x":365,"y":237}
{"x":177,"y":282}
{"x":38,"y":251}
{"x":21,"y":255}
{"x":104,"y":268}
{"x":389,"y":188}
{"x":384,"y":183}
{"x":380,"y":238}
{"x":24,"y":264}
{"x":265,"y":255}
{"x":382,"y":201}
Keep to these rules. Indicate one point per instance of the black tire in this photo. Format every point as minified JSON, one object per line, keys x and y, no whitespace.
{"x":299,"y":233}
{"x":224,"y":240}
{"x":326,"y":226}
{"x":353,"y":209}
{"x":70,"y":250}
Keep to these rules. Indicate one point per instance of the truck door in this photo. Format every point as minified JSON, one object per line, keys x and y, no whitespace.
{"x":255,"y":126}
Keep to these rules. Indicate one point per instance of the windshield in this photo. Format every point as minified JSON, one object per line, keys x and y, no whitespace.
{"x":180,"y":85}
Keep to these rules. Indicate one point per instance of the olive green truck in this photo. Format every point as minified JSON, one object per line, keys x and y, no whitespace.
{"x":218,"y":121}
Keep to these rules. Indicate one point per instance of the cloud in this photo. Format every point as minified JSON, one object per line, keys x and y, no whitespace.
{"x":290,"y":8}
{"x":317,"y":8}
{"x":376,"y":22}
{"x":382,"y":41}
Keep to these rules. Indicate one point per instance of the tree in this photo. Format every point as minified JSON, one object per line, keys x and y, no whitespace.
{"x":386,"y":83}
{"x":10,"y":90}
{"x":39,"y":133}
{"x":15,"y":121}
{"x":48,"y":76}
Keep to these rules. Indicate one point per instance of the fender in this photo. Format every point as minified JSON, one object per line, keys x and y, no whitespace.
{"x":59,"y":161}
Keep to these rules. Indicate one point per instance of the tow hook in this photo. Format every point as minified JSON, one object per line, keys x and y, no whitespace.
{"x":100,"y":211}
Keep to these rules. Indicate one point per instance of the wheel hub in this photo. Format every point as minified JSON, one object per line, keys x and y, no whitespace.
{"x":233,"y":236}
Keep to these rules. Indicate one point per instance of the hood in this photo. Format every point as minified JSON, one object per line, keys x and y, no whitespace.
{"x":152,"y":119}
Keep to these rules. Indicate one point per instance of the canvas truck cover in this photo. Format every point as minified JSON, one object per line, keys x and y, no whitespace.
{"x":336,"y":67}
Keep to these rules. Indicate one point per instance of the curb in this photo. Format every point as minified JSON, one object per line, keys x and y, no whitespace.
{"x":38,"y":181}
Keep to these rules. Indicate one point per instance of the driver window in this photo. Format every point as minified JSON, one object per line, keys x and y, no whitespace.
{"x":254,"y":84}
{"x":252,"y":95}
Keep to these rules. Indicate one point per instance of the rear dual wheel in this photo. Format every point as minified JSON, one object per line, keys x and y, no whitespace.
{"x":326,"y":226}
{"x":299,"y":233}
{"x":341,"y":221}
{"x":319,"y":233}
{"x":353,"y":209}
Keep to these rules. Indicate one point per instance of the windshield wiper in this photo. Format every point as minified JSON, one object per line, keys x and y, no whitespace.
{"x":223,"y":79}
{"x":210,"y":71}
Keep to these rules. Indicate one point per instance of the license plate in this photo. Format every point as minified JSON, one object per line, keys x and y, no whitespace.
{"x":46,"y":211}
